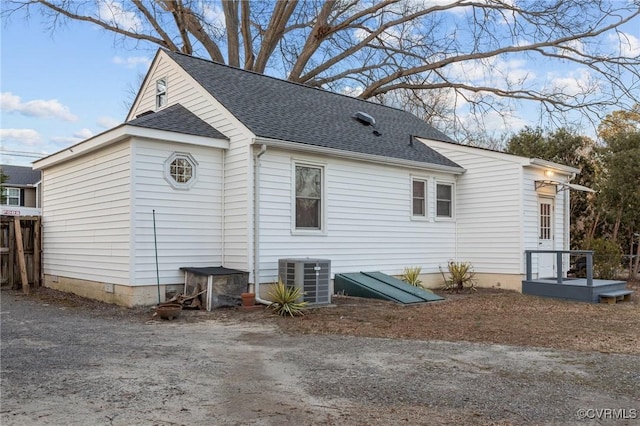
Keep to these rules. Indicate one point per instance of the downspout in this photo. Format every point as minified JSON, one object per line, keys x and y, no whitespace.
{"x":256,"y":225}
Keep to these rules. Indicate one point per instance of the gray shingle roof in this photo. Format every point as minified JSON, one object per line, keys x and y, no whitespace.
{"x":177,"y":118}
{"x":20,"y":175}
{"x":283,"y":110}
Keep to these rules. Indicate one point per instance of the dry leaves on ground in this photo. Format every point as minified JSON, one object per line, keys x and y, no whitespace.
{"x":490,"y":316}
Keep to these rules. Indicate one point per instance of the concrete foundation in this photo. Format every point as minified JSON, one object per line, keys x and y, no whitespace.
{"x":483,"y":280}
{"x":123,"y":295}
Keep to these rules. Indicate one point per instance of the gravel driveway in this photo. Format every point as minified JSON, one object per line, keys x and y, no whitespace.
{"x":63,"y":366}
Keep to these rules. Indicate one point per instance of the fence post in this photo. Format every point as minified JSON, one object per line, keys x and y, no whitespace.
{"x":528,"y":264}
{"x":21,"y":259}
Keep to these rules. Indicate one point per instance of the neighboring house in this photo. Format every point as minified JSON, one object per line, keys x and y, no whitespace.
{"x":241,"y":170}
{"x":20,"y":192}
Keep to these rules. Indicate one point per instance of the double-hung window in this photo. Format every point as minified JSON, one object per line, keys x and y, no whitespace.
{"x":309,"y":197}
{"x":419,"y":198}
{"x":161,"y":93}
{"x":11,"y":196}
{"x":444,"y":200}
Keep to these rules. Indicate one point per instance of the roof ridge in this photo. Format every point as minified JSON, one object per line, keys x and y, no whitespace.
{"x":282,"y":80}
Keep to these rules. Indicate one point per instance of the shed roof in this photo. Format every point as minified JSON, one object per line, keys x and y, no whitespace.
{"x":287,"y":111}
{"x":176,"y":118}
{"x":20,"y":175}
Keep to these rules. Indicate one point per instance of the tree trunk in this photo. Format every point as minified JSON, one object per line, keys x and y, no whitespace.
{"x":616,"y":226}
{"x":633,"y":274}
{"x":230,"y":8}
{"x":592,"y":231}
{"x":245,"y":28}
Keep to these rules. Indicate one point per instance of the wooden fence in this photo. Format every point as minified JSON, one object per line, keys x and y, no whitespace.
{"x":21,"y":252}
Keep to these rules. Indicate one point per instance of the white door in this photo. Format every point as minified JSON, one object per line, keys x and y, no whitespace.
{"x":545,"y":237}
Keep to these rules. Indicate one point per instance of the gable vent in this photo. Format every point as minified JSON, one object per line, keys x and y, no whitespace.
{"x":365,"y":118}
{"x":144,"y":113}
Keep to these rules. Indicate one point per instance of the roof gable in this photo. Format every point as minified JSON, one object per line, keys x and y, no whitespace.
{"x":176,"y":118}
{"x":282,"y":110}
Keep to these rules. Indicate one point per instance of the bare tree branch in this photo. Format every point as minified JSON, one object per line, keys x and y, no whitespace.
{"x":156,"y":26}
{"x":175,"y":7}
{"x":282,"y":11}
{"x":106,"y":26}
{"x":405,"y":52}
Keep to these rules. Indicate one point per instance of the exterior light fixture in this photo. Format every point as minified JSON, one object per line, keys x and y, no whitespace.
{"x":548,"y":173}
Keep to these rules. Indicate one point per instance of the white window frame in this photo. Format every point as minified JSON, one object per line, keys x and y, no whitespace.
{"x":162,"y":97}
{"x":323,"y":198}
{"x":452,"y":201}
{"x":170,"y":178}
{"x":8,"y":197}
{"x":425,"y":181}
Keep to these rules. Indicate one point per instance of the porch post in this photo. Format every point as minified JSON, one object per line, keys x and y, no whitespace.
{"x":590,"y":269}
{"x":528,"y":263}
{"x":559,"y":266}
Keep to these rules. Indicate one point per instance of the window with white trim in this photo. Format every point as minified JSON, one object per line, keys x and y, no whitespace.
{"x":11,"y":196}
{"x":308,"y":199}
{"x":444,"y":200}
{"x":419,"y":198}
{"x":161,"y":93}
{"x":180,"y":170}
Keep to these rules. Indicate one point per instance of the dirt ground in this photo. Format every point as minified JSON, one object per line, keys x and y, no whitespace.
{"x":73,"y":361}
{"x":488,"y":316}
{"x":483,"y":316}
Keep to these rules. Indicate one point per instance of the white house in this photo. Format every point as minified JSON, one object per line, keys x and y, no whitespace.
{"x":241,"y":170}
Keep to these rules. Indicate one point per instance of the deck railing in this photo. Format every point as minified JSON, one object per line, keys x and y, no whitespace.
{"x":559,"y":253}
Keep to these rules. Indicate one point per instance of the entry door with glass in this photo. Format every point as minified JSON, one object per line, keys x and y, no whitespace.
{"x":545,"y":237}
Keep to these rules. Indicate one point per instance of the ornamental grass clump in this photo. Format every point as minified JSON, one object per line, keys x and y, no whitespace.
{"x":287,"y":300}
{"x":461,"y":276}
{"x":411,"y":275}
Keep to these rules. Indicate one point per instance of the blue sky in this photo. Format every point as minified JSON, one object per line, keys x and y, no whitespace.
{"x":62,"y":88}
{"x":58,"y":89}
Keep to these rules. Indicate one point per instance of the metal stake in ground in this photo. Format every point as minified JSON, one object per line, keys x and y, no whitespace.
{"x":155,"y":244}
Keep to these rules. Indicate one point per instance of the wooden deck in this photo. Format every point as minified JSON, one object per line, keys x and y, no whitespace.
{"x":571,"y":288}
{"x":560,"y":287}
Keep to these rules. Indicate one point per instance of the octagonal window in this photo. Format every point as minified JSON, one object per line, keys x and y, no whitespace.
{"x":180,"y":170}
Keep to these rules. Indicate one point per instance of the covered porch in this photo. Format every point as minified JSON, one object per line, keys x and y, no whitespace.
{"x":585,"y":289}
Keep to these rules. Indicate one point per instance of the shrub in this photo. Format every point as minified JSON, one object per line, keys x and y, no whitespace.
{"x":461,"y":276}
{"x":286,"y":300}
{"x":411,"y":275}
{"x":607,"y":258}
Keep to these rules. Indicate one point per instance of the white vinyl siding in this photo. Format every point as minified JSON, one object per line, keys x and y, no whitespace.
{"x":86,"y":230}
{"x":488,"y":210}
{"x":367,"y":222}
{"x":188,"y":221}
{"x":237,"y":207}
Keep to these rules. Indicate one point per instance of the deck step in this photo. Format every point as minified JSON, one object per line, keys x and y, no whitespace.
{"x":615,"y":296}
